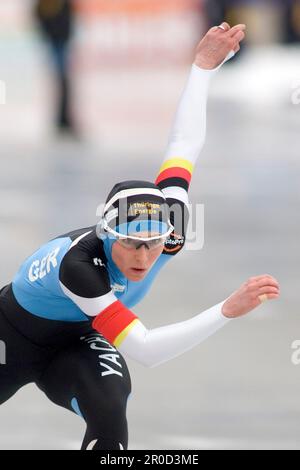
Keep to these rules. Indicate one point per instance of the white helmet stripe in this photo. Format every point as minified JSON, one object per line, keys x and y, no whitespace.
{"x":133,"y":192}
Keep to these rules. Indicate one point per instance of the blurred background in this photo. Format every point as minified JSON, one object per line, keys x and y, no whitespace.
{"x":91,"y":87}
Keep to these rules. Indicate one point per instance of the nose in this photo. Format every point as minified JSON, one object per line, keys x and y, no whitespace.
{"x":143,"y":244}
{"x":142,"y":253}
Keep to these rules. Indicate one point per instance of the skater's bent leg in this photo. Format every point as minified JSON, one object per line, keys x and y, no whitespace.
{"x":92,"y":379}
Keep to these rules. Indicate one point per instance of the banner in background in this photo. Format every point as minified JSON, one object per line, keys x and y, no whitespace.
{"x":124,"y":32}
{"x":268,"y":21}
{"x":133,"y":7}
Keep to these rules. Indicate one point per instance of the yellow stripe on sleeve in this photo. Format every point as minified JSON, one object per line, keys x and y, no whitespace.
{"x":177,"y":162}
{"x":120,"y":338}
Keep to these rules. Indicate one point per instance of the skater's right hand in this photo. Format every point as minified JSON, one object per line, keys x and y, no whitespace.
{"x":251,"y":295}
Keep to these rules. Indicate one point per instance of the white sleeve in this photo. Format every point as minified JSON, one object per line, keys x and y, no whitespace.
{"x":188,"y":131}
{"x":189,"y":127}
{"x":153,"y":347}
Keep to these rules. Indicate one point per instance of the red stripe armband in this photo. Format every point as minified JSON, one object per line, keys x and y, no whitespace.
{"x":174,"y":172}
{"x":115,"y":322}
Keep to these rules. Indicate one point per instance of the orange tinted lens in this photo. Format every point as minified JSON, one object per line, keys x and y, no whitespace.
{"x":131,"y":244}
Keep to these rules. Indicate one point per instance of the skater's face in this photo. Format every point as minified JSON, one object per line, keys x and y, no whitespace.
{"x":136,"y":261}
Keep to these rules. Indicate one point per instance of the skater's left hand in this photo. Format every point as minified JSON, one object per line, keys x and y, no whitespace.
{"x":213,"y":49}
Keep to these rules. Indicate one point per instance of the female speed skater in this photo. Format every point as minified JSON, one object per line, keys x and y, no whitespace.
{"x":66,"y":318}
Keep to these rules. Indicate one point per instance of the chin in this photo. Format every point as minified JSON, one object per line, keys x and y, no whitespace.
{"x":136,"y":277}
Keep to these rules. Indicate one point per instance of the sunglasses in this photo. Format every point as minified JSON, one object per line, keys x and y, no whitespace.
{"x":133,"y":244}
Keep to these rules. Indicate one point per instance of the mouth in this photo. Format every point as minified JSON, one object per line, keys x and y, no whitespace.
{"x":139,"y":270}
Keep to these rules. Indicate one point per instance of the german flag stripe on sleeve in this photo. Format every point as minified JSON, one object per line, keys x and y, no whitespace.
{"x":177,"y":162}
{"x":115,"y":323}
{"x":175,"y":172}
{"x":171,"y":182}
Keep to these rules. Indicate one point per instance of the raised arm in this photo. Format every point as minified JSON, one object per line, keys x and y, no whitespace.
{"x":189,"y":128}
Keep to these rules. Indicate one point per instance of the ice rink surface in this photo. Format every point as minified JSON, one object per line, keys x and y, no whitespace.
{"x":238,"y":390}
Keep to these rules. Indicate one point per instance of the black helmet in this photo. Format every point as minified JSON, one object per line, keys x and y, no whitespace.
{"x":133,"y":207}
